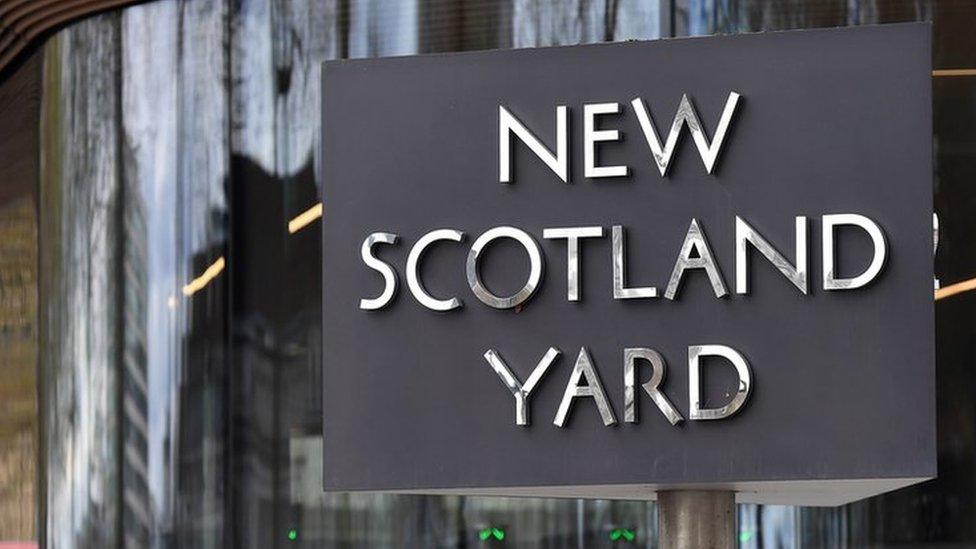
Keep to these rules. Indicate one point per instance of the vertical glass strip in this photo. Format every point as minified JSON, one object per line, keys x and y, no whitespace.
{"x":80,"y":284}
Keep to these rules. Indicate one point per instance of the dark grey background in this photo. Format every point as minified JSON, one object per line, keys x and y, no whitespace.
{"x":830,"y":122}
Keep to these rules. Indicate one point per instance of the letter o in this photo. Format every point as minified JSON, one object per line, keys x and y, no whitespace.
{"x":535,"y":270}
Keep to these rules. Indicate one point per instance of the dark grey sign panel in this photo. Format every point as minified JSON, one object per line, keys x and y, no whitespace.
{"x":696,"y":347}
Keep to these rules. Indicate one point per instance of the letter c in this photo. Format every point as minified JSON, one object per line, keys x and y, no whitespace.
{"x":413,"y":277}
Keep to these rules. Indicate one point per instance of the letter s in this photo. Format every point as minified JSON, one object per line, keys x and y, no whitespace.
{"x":389,"y":275}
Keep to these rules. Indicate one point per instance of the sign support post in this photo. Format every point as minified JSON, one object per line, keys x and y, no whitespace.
{"x":696,"y":519}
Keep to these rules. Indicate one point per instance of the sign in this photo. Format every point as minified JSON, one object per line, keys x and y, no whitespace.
{"x":604,"y":271}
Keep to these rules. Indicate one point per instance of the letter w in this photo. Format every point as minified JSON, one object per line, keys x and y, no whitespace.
{"x":686,"y":114}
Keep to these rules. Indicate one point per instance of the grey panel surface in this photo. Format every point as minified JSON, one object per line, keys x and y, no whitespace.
{"x":831,"y":121}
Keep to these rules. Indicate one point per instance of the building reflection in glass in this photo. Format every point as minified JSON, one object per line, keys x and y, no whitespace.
{"x":179,"y":133}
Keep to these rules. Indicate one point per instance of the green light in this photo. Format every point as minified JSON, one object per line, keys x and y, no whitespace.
{"x":745,"y":536}
{"x":492,"y":532}
{"x":622,"y":533}
{"x":293,"y":534}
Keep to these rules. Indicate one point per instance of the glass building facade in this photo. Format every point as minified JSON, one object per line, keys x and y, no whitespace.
{"x":177,"y":316}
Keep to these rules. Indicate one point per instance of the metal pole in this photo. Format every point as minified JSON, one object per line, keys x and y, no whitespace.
{"x":696,"y":519}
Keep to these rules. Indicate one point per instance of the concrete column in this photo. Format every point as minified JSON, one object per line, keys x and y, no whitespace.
{"x":696,"y":519}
